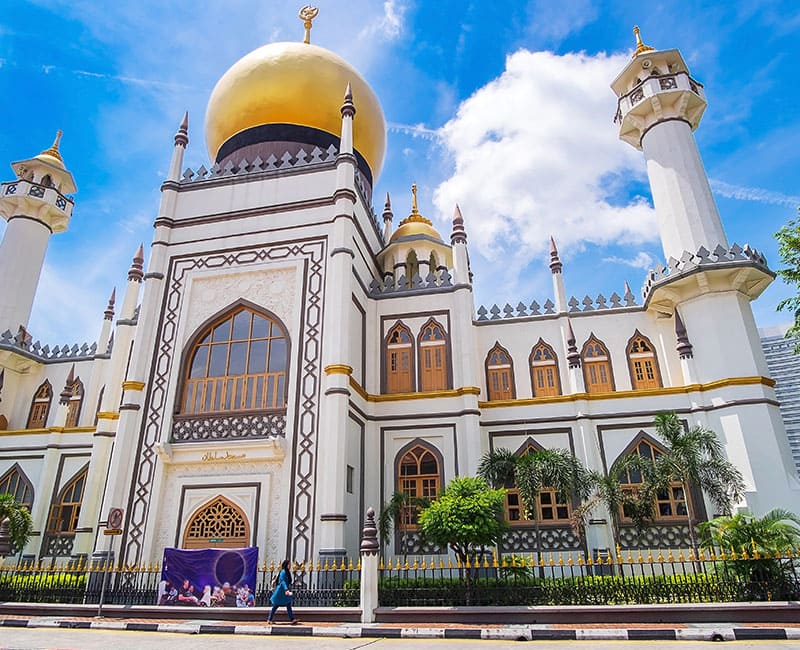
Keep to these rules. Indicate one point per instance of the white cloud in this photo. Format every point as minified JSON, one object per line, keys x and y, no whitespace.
{"x":535,"y":154}
{"x":389,"y":25}
{"x":756,"y":194}
{"x":641,"y":261}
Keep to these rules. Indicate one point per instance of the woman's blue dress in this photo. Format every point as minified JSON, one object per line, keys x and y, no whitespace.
{"x":279,"y":597}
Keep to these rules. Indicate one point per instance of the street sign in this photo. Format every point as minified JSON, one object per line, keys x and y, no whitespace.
{"x":112,"y":531}
{"x":114,"y":519}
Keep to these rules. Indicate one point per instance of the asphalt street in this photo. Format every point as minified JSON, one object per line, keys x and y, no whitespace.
{"x":52,"y":639}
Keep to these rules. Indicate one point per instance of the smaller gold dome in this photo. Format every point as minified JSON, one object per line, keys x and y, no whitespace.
{"x":52,"y":156}
{"x":415,"y":225}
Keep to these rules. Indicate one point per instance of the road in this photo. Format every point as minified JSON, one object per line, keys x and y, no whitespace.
{"x":52,"y":639}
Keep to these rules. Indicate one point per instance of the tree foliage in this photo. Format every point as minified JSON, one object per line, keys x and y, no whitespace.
{"x":20,"y":522}
{"x":789,"y":250}
{"x":392,"y":512}
{"x":467,"y":517}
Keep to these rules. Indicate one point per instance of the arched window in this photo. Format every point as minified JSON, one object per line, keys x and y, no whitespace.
{"x":65,"y":511}
{"x":399,"y":355}
{"x":552,"y":507}
{"x":47,"y":181}
{"x":643,"y":363}
{"x":412,"y":265}
{"x":219,"y":524}
{"x":597,"y":367}
{"x":432,"y":357}
{"x":17,"y":484}
{"x":40,"y":406}
{"x":544,"y":371}
{"x":672,"y":502}
{"x":238,"y":363}
{"x":418,"y":476}
{"x":499,"y":374}
{"x":433,"y":263}
{"x":74,"y":405}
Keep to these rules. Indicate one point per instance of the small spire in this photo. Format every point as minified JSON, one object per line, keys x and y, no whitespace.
{"x":67,"y":392}
{"x":684,"y":347}
{"x":182,"y":136}
{"x":573,"y":358}
{"x":458,"y":235}
{"x":555,"y":262}
{"x":640,"y":47}
{"x":415,"y":216}
{"x":387,"y":209}
{"x":307,"y":14}
{"x":627,"y":288}
{"x":109,"y":312}
{"x":348,"y":107}
{"x":53,"y":150}
{"x":135,"y":273}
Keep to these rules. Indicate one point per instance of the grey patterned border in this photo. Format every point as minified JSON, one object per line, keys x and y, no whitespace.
{"x":313,"y":252}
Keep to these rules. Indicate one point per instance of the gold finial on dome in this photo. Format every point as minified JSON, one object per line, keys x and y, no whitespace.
{"x":415,"y":216}
{"x":640,"y":46}
{"x":307,"y":14}
{"x":53,"y":151}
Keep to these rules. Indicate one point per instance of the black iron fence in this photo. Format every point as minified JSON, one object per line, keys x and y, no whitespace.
{"x":564,"y":579}
{"x":315,"y":585}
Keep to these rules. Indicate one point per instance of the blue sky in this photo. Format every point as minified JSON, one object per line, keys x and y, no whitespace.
{"x":501,"y":106}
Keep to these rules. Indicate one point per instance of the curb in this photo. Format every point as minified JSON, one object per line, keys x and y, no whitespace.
{"x":367,"y":631}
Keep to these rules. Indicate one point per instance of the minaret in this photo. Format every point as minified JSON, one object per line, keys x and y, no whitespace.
{"x":36,"y":205}
{"x":181,"y":142}
{"x":558,"y":279}
{"x":388,"y":216}
{"x":660,"y":105}
{"x":458,"y":240}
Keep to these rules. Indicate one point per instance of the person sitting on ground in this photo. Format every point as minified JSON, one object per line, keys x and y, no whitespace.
{"x":230,"y":596}
{"x":186,"y":595}
{"x":169,"y":594}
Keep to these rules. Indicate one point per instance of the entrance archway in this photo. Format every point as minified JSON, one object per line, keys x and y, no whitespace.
{"x":218,"y":524}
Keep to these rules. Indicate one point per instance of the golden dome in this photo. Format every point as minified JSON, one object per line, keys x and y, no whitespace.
{"x":296,"y":84}
{"x":52,"y":156}
{"x":415,"y":225}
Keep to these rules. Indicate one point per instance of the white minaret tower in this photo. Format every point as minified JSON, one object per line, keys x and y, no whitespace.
{"x":660,"y":105}
{"x":35,"y":205}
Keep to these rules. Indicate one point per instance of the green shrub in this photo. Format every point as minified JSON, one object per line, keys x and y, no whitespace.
{"x":42,"y":587}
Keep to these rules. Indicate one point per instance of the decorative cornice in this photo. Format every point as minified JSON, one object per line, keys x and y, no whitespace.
{"x":338,"y":369}
{"x":107,"y":415}
{"x":133,"y":385}
{"x":624,"y":394}
{"x":400,"y":397}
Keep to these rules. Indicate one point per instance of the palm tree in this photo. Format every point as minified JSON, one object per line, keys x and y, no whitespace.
{"x":696,"y":457}
{"x":769,"y":537}
{"x":638,"y":505}
{"x":539,"y":469}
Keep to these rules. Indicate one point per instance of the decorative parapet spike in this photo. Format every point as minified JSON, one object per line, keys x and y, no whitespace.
{"x":684,"y":347}
{"x":66,"y":393}
{"x":587,"y":304}
{"x":573,"y":358}
{"x":458,"y":234}
{"x":389,"y":287}
{"x":43,"y":353}
{"x":555,"y":261}
{"x":108,"y":314}
{"x":704,"y":259}
{"x":387,"y":210}
{"x":348,"y":107}
{"x":135,"y":273}
{"x":182,"y":136}
{"x":369,"y":535}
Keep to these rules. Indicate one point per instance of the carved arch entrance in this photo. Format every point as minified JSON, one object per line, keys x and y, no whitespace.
{"x":220,"y":523}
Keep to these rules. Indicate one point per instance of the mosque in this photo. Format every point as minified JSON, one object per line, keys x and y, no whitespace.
{"x":288,"y":357}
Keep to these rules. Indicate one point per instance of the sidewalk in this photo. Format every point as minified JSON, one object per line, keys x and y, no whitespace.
{"x":640,"y":632}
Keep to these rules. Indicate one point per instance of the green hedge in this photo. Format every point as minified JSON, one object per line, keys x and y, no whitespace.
{"x":43,"y":587}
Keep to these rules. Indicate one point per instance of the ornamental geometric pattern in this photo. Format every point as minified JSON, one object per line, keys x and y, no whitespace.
{"x":219,"y":519}
{"x":58,"y":544}
{"x":523,"y":539}
{"x":228,"y":427}
{"x":658,"y":536}
{"x":313,"y":253}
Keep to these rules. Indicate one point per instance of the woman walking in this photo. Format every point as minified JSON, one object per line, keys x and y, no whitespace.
{"x":282,"y":594}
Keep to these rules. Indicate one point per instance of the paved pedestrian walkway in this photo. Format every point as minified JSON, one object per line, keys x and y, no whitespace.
{"x":632,"y":632}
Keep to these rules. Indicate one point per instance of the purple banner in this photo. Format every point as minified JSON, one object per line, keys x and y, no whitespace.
{"x":212,"y":577}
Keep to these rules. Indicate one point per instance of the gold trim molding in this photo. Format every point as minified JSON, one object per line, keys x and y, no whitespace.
{"x":133,"y":385}
{"x":622,"y":394}
{"x":399,"y":397}
{"x":27,"y":432}
{"x":338,"y":369}
{"x":107,"y":415}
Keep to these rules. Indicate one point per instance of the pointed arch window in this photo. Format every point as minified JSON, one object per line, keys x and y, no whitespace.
{"x":40,"y":406}
{"x":432,"y":357}
{"x":418,"y":477}
{"x":74,"y":404}
{"x":18,"y":485}
{"x":552,"y":507}
{"x":399,"y":356}
{"x":643,"y":363}
{"x":412,"y":266}
{"x":220,"y":523}
{"x":65,"y":511}
{"x":597,"y":367}
{"x":545,"y":380}
{"x":433,"y":263}
{"x":672,"y":502}
{"x":240,"y":362}
{"x":499,"y":374}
